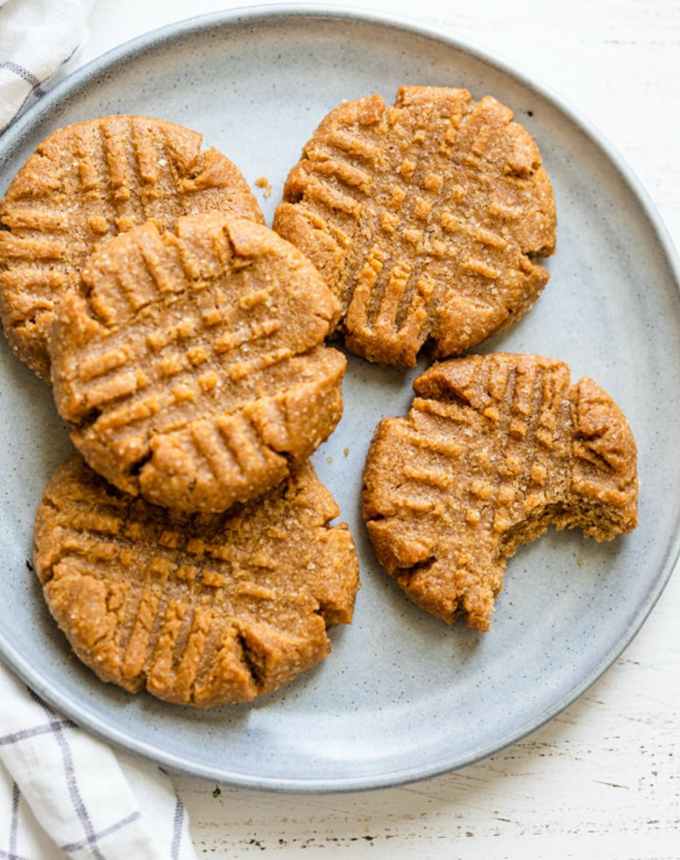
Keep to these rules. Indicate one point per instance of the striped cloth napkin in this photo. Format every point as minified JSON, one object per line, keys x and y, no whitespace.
{"x":63,"y":793}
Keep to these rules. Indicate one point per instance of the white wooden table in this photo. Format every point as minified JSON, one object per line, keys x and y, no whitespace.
{"x":603,"y":779}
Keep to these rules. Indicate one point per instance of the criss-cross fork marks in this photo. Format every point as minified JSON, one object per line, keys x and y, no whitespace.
{"x":422,"y":217}
{"x":200,"y":610}
{"x":196,"y":360}
{"x":489,"y":456}
{"x":89,"y":181}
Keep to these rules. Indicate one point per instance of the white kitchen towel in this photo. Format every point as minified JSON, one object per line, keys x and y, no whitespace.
{"x":65,"y":794}
{"x":37,"y":38}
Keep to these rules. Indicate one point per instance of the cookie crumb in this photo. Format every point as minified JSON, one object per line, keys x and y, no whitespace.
{"x":263,"y":183}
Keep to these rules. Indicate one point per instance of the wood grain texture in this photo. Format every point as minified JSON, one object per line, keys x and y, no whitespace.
{"x":603,"y":779}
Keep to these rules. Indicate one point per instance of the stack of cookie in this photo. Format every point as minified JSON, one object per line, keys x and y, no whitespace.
{"x":188,"y":550}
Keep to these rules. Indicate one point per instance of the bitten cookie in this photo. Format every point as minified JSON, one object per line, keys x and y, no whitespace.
{"x":88,"y":181}
{"x":425,"y":219}
{"x":191,"y":366}
{"x":198,"y":610}
{"x":493,"y":451}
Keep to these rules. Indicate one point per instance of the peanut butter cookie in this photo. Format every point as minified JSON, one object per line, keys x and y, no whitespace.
{"x":493,"y":451}
{"x":91,"y":180}
{"x":191,"y":366}
{"x":424,"y":218}
{"x":199,"y":610}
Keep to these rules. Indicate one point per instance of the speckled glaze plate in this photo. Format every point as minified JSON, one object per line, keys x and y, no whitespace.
{"x":402,"y":696}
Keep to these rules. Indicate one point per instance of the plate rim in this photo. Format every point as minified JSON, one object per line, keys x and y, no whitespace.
{"x":268,"y":13}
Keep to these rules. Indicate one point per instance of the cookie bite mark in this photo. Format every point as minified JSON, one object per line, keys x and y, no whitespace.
{"x":493,"y":451}
{"x":190,"y":364}
{"x":426,"y":219}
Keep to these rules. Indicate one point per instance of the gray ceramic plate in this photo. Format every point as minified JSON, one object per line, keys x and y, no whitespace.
{"x":402,"y":696}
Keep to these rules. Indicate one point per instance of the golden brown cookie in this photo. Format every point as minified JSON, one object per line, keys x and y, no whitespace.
{"x":425,"y":219}
{"x":494,"y":450}
{"x":199,"y":609}
{"x":191,"y":366}
{"x":91,"y":180}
